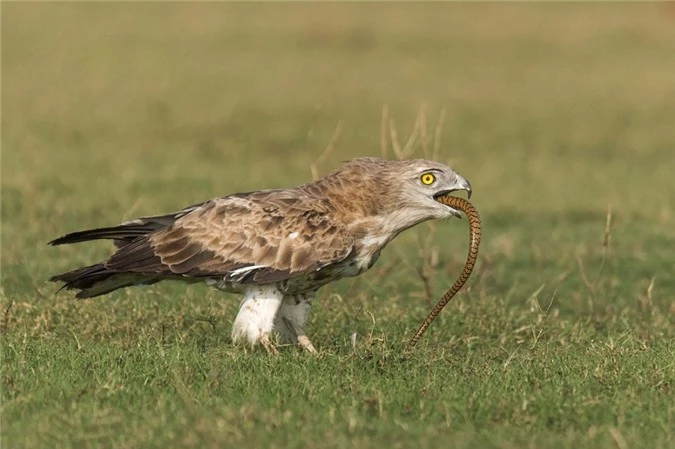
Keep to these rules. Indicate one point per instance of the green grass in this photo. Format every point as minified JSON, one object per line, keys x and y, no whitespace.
{"x":564,"y":336}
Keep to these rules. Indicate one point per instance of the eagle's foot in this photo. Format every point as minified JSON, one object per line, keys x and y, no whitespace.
{"x":268,"y":345}
{"x":299,"y":336}
{"x":305,"y":344}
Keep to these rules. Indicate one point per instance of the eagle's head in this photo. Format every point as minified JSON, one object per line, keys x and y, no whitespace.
{"x":402,"y":193}
{"x":421,"y":182}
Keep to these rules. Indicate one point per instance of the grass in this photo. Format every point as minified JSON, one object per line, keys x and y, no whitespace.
{"x":560,"y":115}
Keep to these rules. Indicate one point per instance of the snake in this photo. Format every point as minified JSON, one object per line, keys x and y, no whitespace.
{"x":474,"y":242}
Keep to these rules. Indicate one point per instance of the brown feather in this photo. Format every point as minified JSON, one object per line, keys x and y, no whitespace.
{"x":269,"y":228}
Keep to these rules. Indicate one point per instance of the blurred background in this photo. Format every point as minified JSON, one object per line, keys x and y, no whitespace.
{"x":554,"y":112}
{"x":562,"y":116}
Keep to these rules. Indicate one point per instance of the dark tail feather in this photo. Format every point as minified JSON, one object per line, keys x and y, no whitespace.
{"x":97,"y":280}
{"x":124,"y":234}
{"x":83,"y":278}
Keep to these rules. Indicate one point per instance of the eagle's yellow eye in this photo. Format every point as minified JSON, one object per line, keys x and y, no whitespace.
{"x":427,"y":179}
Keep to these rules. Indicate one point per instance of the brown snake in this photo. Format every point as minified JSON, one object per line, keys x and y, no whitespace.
{"x":474,"y":241}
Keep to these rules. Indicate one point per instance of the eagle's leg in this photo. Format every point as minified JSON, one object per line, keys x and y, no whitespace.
{"x":255,"y":319}
{"x":291,"y":319}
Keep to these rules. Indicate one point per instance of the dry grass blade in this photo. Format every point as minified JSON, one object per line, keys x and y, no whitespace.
{"x":394,"y":140}
{"x":383,"y":131}
{"x":314,"y":168}
{"x":438,"y":133}
{"x":412,"y":140}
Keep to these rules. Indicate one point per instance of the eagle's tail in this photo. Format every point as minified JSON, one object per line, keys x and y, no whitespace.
{"x":122,"y":234}
{"x":96,"y":280}
{"x":127,"y":232}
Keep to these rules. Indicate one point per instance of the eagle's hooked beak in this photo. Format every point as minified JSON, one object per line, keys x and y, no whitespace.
{"x":460,"y":184}
{"x":463,"y":184}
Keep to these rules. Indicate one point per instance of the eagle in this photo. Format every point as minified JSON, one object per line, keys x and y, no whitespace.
{"x":274,"y":247}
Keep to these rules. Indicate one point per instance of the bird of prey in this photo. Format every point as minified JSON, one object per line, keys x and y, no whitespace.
{"x":276,"y":247}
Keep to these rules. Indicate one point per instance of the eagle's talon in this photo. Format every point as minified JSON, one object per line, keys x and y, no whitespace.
{"x":268,"y":345}
{"x":304,"y":343}
{"x":300,"y":337}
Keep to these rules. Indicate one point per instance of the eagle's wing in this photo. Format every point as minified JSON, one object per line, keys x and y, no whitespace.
{"x":260,"y":237}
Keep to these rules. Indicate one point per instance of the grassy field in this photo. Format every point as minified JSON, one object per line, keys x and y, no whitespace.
{"x":561,"y":116}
